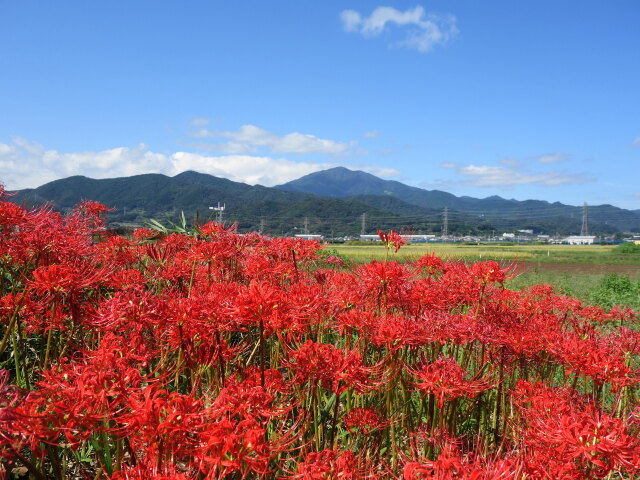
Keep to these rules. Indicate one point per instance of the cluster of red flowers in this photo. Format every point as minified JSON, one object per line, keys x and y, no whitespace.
{"x":219,"y":355}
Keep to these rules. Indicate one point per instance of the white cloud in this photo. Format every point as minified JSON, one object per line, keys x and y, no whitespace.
{"x":449,"y":165}
{"x":512,"y":172}
{"x":492,"y":176}
{"x":423,"y":31}
{"x":245,"y":168}
{"x":351,"y":20}
{"x":25,"y":164}
{"x":202,"y":133}
{"x":371,"y":134}
{"x":510,"y":162}
{"x":636,"y":142}
{"x":553,"y":157}
{"x":379,"y":171}
{"x":200,"y":122}
{"x":249,"y":138}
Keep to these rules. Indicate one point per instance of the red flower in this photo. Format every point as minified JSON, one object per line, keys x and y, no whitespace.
{"x":364,"y":420}
{"x":444,"y":378}
{"x":335,"y":369}
{"x":331,"y":465}
{"x":391,"y":238}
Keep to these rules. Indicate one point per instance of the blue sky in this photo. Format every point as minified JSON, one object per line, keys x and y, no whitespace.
{"x":518,"y":99}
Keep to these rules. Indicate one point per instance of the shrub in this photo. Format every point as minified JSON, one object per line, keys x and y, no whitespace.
{"x":628,"y":248}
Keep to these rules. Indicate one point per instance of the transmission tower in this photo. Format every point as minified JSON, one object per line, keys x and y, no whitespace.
{"x":445,"y":227}
{"x":364,"y":224}
{"x":261,"y":230}
{"x":584,"y":231}
{"x":306,"y":226}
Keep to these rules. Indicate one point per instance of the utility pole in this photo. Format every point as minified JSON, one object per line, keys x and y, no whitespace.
{"x":445,"y":227}
{"x":584,"y":231}
{"x":364,"y":224}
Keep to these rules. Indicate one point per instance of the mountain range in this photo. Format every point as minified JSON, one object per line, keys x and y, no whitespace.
{"x":332,"y":201}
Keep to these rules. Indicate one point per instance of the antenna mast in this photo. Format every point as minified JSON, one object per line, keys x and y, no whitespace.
{"x":219,"y":209}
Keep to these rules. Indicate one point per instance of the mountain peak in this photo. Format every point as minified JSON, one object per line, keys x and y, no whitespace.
{"x":336,"y":182}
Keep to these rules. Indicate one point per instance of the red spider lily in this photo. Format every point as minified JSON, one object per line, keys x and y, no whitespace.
{"x":161,"y":423}
{"x":11,"y":216}
{"x":308,"y":308}
{"x":397,"y":331}
{"x":597,"y":359}
{"x":75,"y":399}
{"x":625,"y":340}
{"x":215,"y":229}
{"x":10,"y":397}
{"x":65,"y":279}
{"x":333,"y":368}
{"x":450,"y":465}
{"x":148,"y":470}
{"x":333,"y":260}
{"x":453,"y":291}
{"x":488,"y":272}
{"x":262,"y":304}
{"x":561,"y":426}
{"x":384,"y":285}
{"x":444,"y":378}
{"x":44,"y":237}
{"x":391,"y":238}
{"x":195,"y":325}
{"x":427,"y":295}
{"x":157,"y":361}
{"x":431,"y":264}
{"x":142,"y":234}
{"x":229,"y":446}
{"x":127,"y":279}
{"x":116,"y":251}
{"x":364,"y":420}
{"x":352,"y":321}
{"x":248,"y":399}
{"x":91,"y":208}
{"x":515,"y":321}
{"x":332,"y":465}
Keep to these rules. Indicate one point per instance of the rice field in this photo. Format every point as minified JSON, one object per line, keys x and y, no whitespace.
{"x":525,"y":253}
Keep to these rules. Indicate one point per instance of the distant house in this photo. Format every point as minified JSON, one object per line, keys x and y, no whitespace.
{"x":406,"y":238}
{"x":309,"y":237}
{"x":579,"y":240}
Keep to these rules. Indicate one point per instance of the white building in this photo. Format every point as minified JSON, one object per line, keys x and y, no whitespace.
{"x":305,"y":236}
{"x":406,"y":238}
{"x":579,"y":240}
